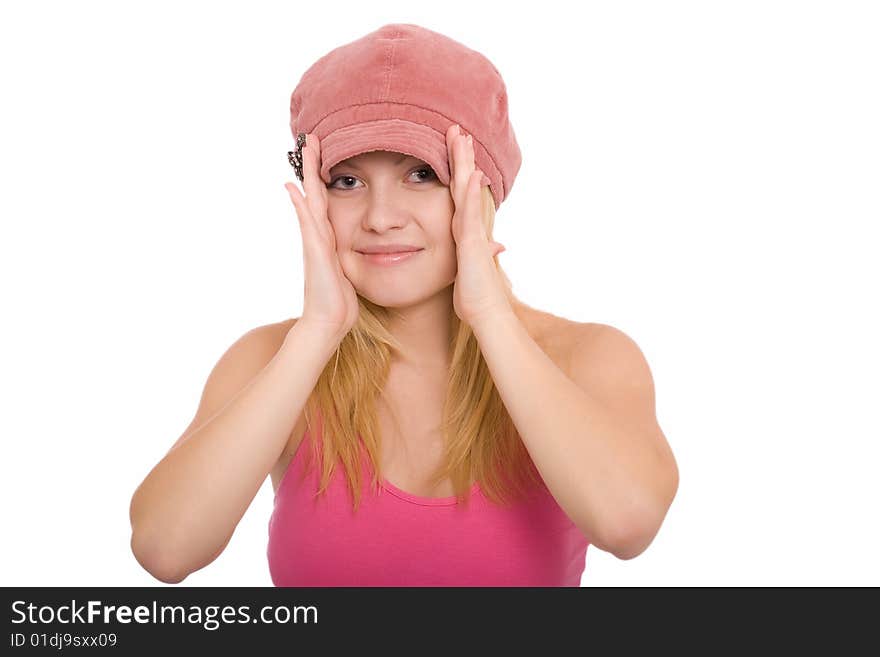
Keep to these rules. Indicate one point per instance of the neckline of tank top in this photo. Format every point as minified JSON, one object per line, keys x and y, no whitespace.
{"x":425,"y":501}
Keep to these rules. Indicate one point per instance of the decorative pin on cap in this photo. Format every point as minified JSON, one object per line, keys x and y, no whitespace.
{"x":295,"y":157}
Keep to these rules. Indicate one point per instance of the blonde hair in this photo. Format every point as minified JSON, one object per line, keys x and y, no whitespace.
{"x":480,"y":439}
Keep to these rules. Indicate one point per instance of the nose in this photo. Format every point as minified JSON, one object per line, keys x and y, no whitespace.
{"x":383,"y":213}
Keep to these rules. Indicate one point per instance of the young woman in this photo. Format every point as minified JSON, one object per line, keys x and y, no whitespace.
{"x":421,"y":426}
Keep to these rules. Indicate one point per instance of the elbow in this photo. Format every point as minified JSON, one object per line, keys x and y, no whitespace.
{"x":169,"y":576}
{"x":631,"y":538}
{"x":630,"y":545}
{"x":153,"y":555}
{"x":622,"y":544}
{"x":626,"y":540}
{"x":156,"y":561}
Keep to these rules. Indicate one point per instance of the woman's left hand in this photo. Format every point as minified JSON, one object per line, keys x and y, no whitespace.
{"x":479,"y":290}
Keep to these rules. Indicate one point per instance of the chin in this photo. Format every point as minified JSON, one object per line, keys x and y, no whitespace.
{"x":404,"y":295}
{"x":389,"y":299}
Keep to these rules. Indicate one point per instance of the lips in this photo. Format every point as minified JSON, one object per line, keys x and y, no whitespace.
{"x":390,"y":248}
{"x":390,"y":258}
{"x":388,"y":252}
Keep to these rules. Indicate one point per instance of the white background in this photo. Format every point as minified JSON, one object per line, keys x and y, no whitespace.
{"x":702,"y":175}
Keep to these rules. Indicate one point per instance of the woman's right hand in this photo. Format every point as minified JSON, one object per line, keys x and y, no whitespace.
{"x":330,"y":301}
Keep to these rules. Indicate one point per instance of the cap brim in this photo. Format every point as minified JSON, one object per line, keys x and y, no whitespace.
{"x":397,"y":135}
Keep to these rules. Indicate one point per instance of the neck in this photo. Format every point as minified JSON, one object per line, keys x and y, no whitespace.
{"x":424,"y":332}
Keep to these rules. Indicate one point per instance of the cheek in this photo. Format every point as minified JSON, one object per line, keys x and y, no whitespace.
{"x":341,"y":234}
{"x":444,"y":245}
{"x":446,"y":261}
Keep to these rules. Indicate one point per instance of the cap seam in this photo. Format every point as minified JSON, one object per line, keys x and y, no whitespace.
{"x":389,"y":67}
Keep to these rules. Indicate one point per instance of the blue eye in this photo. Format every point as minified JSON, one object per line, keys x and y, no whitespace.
{"x":428,"y":170}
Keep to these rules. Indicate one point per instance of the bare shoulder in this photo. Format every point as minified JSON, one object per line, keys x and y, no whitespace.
{"x":581,"y":336}
{"x":286,"y":324}
{"x":596,"y":346}
{"x":594,"y":337}
{"x":557,"y":336}
{"x":608,"y":362}
{"x":579,"y":333}
{"x":261,"y":343}
{"x":586,"y":350}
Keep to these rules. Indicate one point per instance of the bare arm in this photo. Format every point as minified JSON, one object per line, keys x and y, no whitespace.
{"x":186,"y":509}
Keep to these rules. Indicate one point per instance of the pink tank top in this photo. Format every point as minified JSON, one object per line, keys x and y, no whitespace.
{"x":399,"y":539}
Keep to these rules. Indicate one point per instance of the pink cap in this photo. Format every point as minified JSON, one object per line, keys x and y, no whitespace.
{"x":399,"y":89}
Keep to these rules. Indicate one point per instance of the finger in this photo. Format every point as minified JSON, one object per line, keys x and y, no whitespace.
{"x":457,"y":147}
{"x":309,"y":157}
{"x":451,"y":134}
{"x":322,"y":189}
{"x":312,"y":184}
{"x":303,"y":214}
{"x":464,"y":166}
{"x":473,"y":208}
{"x":321,"y":185}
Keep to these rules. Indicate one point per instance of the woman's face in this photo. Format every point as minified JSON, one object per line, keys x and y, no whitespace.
{"x":383,"y":197}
